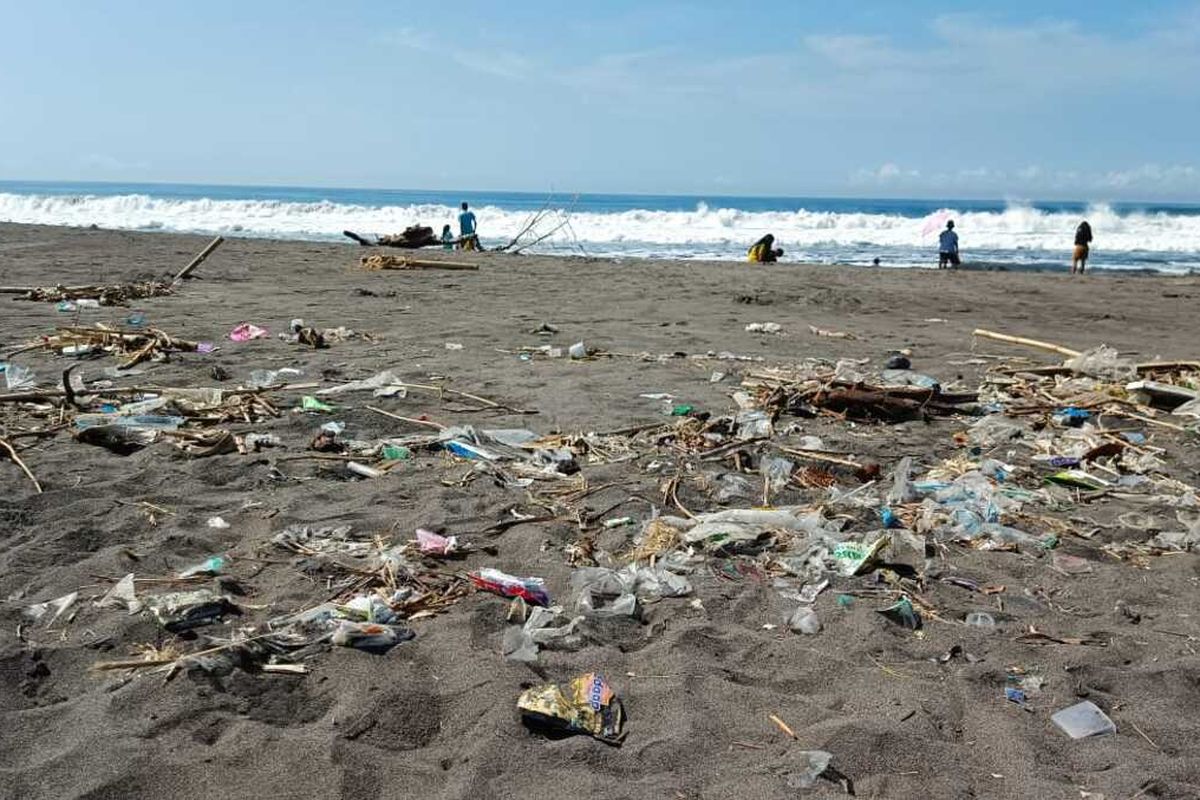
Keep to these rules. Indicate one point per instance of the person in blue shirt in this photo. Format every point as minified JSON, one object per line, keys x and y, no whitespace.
{"x":948,"y":247}
{"x":466,"y":229}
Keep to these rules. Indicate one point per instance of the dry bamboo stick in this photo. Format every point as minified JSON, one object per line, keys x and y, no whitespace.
{"x":430,"y":423}
{"x":1021,"y":340}
{"x":199,"y":259}
{"x":17,"y":460}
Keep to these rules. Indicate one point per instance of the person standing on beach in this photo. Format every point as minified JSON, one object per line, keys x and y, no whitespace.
{"x":466,"y":229}
{"x":1083,"y":242}
{"x":948,"y":247}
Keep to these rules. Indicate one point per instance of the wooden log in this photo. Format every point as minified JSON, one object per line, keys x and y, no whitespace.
{"x":1021,"y":340}
{"x":198,"y":260}
{"x":422,"y":264}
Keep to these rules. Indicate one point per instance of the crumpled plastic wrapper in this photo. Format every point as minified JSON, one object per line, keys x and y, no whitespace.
{"x":589,"y":705}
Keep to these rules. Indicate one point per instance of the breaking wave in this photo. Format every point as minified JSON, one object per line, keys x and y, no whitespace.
{"x":1022,"y":232}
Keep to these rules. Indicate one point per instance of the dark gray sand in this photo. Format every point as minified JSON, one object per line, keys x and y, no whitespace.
{"x":436,"y":717}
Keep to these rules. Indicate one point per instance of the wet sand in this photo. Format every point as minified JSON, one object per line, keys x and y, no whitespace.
{"x":436,"y":717}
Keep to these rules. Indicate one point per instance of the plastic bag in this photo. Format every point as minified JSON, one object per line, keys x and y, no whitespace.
{"x":1103,"y":362}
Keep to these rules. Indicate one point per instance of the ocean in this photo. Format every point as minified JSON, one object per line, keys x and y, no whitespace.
{"x":900,"y":233}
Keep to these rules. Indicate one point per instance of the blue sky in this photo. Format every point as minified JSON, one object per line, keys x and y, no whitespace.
{"x":1048,"y":99}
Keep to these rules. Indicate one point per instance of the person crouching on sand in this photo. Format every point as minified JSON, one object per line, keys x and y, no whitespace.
{"x":447,"y":238}
{"x":1083,"y":242}
{"x":763,"y":251}
{"x":948,"y":247}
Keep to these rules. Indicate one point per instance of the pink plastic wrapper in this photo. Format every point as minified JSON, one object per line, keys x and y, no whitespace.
{"x":245,"y":332}
{"x":433,"y":545}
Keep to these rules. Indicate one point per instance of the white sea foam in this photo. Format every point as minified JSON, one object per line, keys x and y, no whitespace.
{"x":701,"y":232}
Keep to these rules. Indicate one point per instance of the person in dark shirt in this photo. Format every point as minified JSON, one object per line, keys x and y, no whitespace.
{"x":948,"y":247}
{"x":1083,"y":242}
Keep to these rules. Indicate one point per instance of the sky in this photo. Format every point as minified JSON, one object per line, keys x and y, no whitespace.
{"x":1054,"y":99}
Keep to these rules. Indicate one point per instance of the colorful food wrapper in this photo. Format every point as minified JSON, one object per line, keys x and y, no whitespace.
{"x":589,"y":705}
{"x":531,"y":590}
{"x":854,"y":557}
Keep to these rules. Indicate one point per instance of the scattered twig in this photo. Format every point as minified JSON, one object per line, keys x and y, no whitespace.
{"x":12,"y":453}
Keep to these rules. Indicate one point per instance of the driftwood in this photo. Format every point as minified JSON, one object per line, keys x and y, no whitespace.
{"x":198,"y":260}
{"x":414,"y":237}
{"x":1040,"y":345}
{"x":116,"y":294}
{"x":892,"y":404}
{"x":378,"y":262}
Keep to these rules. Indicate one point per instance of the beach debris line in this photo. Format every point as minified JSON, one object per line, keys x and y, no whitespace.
{"x":116,"y":294}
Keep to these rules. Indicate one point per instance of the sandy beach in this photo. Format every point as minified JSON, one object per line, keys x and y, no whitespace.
{"x":903,"y":714}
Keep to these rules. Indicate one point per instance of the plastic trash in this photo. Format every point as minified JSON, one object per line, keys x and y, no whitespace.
{"x":994,"y":430}
{"x":981,"y":619}
{"x":906,"y":377}
{"x":370,"y":636}
{"x":578,"y":350}
{"x":180,"y":611}
{"x":753,"y":424}
{"x":217,"y":522}
{"x":531,"y":590}
{"x":1103,"y":362}
{"x":734,"y":487}
{"x":257,"y":441}
{"x":764,"y":327}
{"x":395,"y":452}
{"x":1071,"y":417}
{"x":209,"y":566}
{"x":805,"y":620}
{"x":246,"y":331}
{"x":362,"y":470}
{"x":136,"y":320}
{"x":123,"y":595}
{"x":522,"y":642}
{"x":853,"y":558}
{"x":261,"y":378}
{"x":1014,"y":695}
{"x":18,"y":377}
{"x":369,"y":608}
{"x":310,"y":403}
{"x":381,"y":384}
{"x":903,"y":614}
{"x":902,"y":486}
{"x":588,"y":705}
{"x":1082,"y":720}
{"x":431,"y":544}
{"x":38,"y":611}
{"x":810,"y":765}
{"x":776,"y":472}
{"x":604,"y":592}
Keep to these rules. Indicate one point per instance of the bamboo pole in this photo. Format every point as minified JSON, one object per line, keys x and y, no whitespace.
{"x":198,"y":260}
{"x":1021,"y":340}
